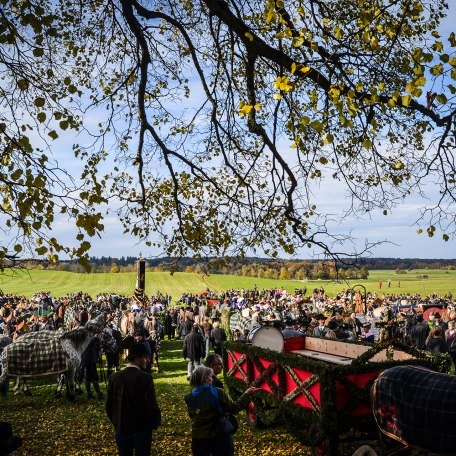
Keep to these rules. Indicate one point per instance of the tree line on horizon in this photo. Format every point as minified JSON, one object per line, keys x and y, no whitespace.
{"x":253,"y":267}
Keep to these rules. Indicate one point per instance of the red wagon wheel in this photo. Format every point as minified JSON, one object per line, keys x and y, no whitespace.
{"x":320,"y":443}
{"x":253,"y":419}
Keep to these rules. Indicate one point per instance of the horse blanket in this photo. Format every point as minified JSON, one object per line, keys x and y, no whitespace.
{"x":33,"y":357}
{"x":240,"y":323}
{"x":69,"y":317}
{"x":417,"y":407}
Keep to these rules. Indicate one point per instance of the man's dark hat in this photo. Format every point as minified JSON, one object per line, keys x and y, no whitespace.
{"x":8,"y":442}
{"x":437,"y":315}
{"x":332,"y":324}
{"x":320,"y":317}
{"x":138,"y":350}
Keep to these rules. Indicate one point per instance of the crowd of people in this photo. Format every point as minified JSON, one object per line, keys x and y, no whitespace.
{"x":203,"y":322}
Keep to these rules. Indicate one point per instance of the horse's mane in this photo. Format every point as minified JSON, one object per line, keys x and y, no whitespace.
{"x":77,"y":336}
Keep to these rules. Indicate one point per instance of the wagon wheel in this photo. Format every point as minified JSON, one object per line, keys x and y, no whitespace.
{"x":320,"y":443}
{"x":253,"y":420}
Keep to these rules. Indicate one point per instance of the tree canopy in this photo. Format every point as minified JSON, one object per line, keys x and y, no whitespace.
{"x":217,"y":119}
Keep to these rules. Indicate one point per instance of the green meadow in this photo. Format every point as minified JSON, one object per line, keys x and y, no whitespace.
{"x":60,"y":283}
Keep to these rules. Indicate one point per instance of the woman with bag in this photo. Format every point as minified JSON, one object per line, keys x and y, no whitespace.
{"x":210,"y":408}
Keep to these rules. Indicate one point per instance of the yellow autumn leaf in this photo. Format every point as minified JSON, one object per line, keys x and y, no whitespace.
{"x":406,"y":100}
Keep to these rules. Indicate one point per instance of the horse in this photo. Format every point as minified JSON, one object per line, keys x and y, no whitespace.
{"x":155,"y":329}
{"x":416,"y":407}
{"x":127,"y":324}
{"x":48,"y":353}
{"x":108,"y":345}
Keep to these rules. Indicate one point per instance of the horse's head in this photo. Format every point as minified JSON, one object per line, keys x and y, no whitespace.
{"x":108,"y":342}
{"x":99,"y":319}
{"x":94,"y":326}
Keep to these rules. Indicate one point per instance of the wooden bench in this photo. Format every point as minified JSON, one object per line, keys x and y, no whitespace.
{"x":339,"y":352}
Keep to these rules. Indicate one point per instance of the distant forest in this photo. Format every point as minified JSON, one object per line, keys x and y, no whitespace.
{"x":256,"y":267}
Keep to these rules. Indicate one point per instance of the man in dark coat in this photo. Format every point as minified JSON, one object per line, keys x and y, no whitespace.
{"x":88,"y":368}
{"x":218,"y":336}
{"x":419,"y":333}
{"x":186,"y":327}
{"x":194,"y":349}
{"x":132,"y":406}
{"x":170,"y":327}
{"x":113,"y":358}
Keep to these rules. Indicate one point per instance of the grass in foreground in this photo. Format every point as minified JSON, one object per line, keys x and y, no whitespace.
{"x":56,"y":427}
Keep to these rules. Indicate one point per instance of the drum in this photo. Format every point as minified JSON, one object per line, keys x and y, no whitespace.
{"x":267,"y":337}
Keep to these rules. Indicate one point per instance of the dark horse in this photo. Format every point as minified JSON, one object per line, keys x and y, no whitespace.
{"x":416,"y":407}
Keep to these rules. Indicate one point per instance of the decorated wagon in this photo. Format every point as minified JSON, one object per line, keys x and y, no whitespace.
{"x":319,"y":388}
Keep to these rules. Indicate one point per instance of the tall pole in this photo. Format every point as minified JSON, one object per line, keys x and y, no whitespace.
{"x":141,"y":281}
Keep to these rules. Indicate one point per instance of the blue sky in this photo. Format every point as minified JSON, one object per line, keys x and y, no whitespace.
{"x":397,"y":227}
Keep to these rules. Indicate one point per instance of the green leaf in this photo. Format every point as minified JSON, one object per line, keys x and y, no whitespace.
{"x":23,"y":84}
{"x":41,"y":117}
{"x":441,"y":98}
{"x":38,"y":52}
{"x":53,"y":134}
{"x":41,"y":250}
{"x":39,"y":102}
{"x":338,"y":33}
{"x":437,"y":70}
{"x":452,"y":39}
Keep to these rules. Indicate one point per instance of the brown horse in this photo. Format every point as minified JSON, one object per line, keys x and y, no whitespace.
{"x":153,"y":326}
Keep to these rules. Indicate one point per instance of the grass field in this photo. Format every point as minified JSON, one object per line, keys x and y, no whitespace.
{"x":55,"y":427}
{"x":60,"y":283}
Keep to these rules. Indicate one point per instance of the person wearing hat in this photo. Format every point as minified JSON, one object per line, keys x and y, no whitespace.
{"x":8,"y":442}
{"x":367,"y":334}
{"x":332,"y":327}
{"x":132,"y":406}
{"x":289,"y":332}
{"x":321,"y":329}
{"x":438,"y":322}
{"x":419,"y":332}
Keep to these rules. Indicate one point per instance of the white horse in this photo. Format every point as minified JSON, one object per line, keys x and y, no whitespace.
{"x":61,"y":352}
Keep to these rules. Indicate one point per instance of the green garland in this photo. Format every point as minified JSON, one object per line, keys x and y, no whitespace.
{"x":309,"y":425}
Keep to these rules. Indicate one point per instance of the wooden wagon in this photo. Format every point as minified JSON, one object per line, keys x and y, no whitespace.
{"x":318,"y":388}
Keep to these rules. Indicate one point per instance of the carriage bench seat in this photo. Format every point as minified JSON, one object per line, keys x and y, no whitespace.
{"x":335,"y":359}
{"x":339,"y":352}
{"x":332,"y":351}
